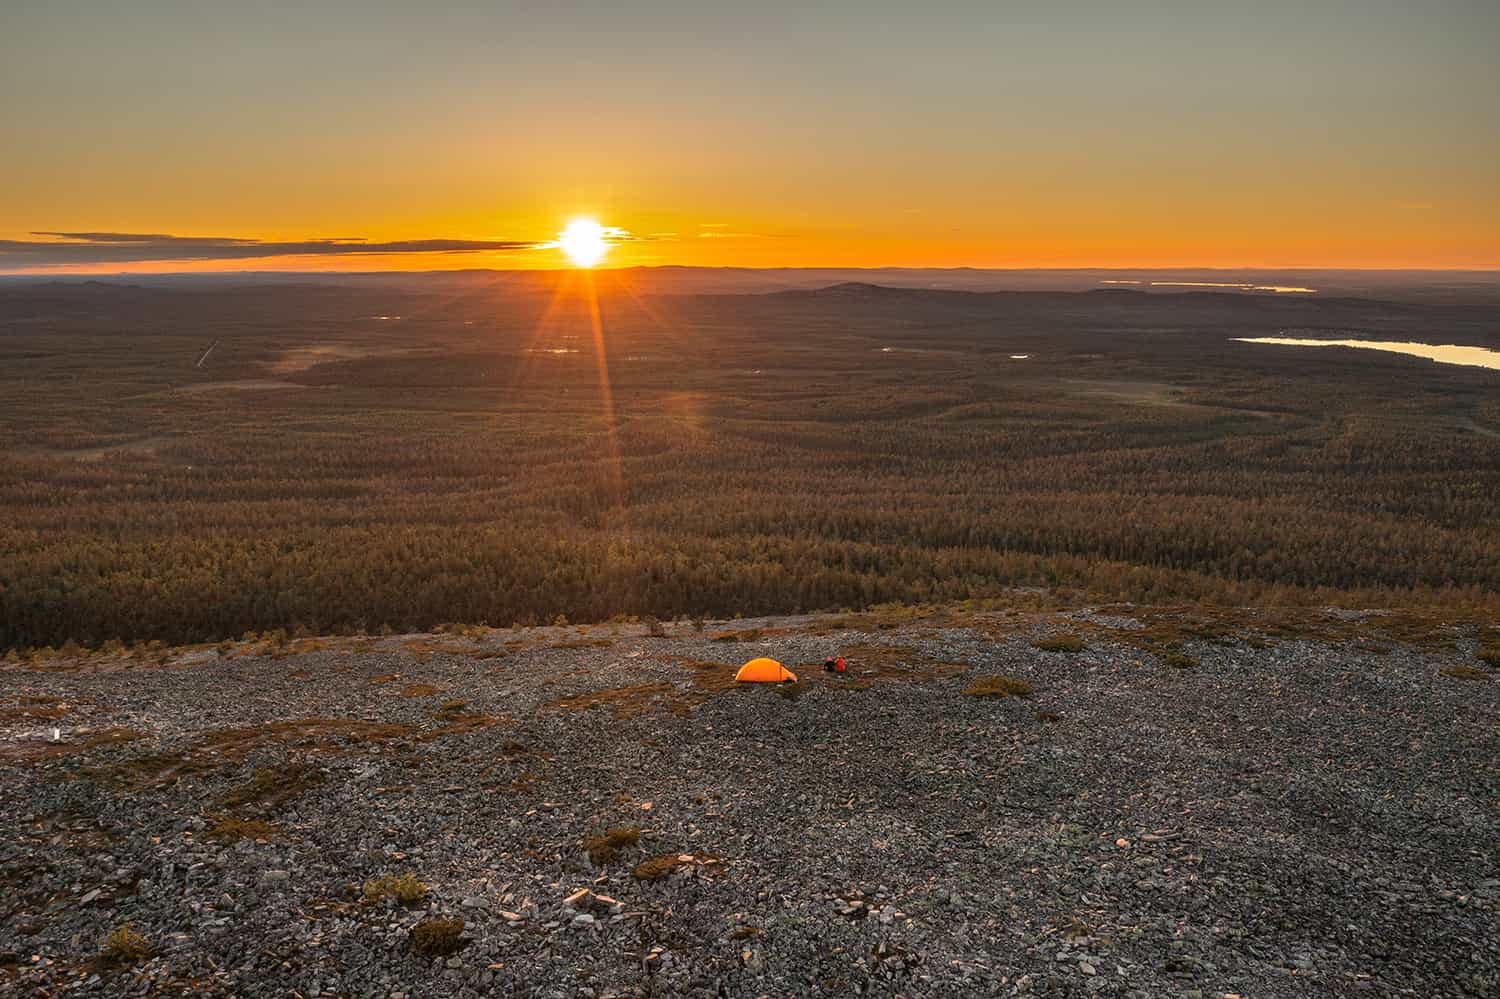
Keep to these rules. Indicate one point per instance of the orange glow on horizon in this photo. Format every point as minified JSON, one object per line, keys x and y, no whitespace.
{"x":831,"y":254}
{"x":1019,"y":243}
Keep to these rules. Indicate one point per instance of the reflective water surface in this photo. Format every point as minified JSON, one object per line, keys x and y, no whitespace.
{"x":1446,"y":353}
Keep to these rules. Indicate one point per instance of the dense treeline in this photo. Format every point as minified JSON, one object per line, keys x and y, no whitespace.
{"x":755,"y":456}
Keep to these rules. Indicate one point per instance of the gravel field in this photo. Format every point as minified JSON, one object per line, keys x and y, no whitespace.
{"x":608,"y":815}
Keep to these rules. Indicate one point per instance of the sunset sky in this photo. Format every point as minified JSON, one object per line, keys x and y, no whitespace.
{"x":1359,"y":134}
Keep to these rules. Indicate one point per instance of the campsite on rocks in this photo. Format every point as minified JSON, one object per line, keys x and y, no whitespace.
{"x":660,"y":499}
{"x":1153,"y":803}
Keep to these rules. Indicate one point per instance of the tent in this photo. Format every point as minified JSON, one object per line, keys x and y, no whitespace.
{"x":764,"y":671}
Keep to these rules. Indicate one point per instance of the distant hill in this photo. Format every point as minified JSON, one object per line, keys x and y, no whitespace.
{"x":1467,"y":287}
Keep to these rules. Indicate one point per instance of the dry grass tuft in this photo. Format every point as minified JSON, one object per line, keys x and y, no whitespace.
{"x":224,"y":748}
{"x":1466,"y":673}
{"x":154,"y":770}
{"x":891,"y":662}
{"x":450,"y":710}
{"x":850,"y":685}
{"x":437,"y":937}
{"x":35,"y":708}
{"x":113,"y":736}
{"x":457,"y":722}
{"x":1177,"y":660}
{"x":999,"y":686}
{"x":624,"y":702}
{"x":603,"y":849}
{"x":585,"y":643}
{"x":123,"y":945}
{"x":233,"y":830}
{"x":404,"y":888}
{"x":272,"y":787}
{"x":1061,"y":643}
{"x":419,"y":690}
{"x":318,"y":734}
{"x":656,"y":868}
{"x":748,"y":635}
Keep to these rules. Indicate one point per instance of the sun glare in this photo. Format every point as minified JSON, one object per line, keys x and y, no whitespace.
{"x":584,"y":242}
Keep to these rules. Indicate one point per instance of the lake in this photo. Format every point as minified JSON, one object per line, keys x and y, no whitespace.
{"x":1447,"y":353}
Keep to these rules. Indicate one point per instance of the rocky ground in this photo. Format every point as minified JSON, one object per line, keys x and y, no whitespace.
{"x":1174,"y":810}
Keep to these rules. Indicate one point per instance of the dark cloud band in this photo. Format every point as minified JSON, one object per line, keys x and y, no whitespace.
{"x":80,"y":248}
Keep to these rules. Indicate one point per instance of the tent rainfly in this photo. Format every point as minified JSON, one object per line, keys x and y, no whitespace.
{"x":765,"y":671}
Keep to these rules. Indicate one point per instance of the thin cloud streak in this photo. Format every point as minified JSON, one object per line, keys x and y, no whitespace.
{"x":83,"y":248}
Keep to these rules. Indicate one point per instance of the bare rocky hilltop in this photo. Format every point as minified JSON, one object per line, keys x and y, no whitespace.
{"x":1118,"y":801}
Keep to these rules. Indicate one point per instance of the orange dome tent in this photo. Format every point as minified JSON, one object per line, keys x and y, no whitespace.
{"x":764,"y":671}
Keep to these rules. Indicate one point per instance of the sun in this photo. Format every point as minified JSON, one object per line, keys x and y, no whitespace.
{"x":585,"y":242}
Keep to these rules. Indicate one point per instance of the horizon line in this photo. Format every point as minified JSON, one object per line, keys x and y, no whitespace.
{"x":1323,"y":268}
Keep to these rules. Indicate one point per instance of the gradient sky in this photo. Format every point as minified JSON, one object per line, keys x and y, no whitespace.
{"x":989,"y":134}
